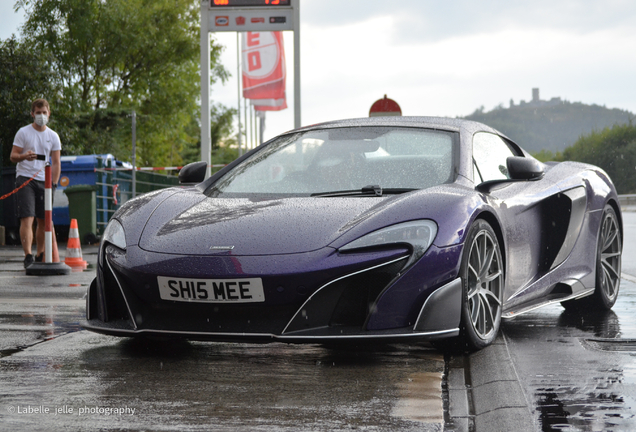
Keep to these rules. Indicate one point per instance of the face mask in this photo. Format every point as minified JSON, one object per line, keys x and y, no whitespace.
{"x":41,"y":119}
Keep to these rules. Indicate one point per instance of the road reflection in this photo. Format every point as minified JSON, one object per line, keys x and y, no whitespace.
{"x":601,"y":324}
{"x":177,"y":385}
{"x":578,"y":367}
{"x":40,"y":324}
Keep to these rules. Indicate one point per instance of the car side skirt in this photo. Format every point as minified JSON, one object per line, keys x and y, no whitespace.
{"x":557,"y":296}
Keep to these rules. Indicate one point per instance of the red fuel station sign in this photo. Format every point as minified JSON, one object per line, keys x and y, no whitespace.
{"x":250,"y":15}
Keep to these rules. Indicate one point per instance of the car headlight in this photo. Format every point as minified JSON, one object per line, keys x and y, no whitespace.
{"x":114,"y":234}
{"x":419,"y":234}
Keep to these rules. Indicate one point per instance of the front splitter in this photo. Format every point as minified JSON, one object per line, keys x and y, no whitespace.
{"x":388,"y":336}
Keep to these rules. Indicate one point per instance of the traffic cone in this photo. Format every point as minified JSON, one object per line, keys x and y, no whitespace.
{"x":73,"y":257}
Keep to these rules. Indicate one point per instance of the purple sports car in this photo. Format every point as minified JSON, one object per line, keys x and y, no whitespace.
{"x":381,"y":229}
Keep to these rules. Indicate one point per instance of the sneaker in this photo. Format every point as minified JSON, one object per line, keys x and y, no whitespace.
{"x":39,"y":258}
{"x":28,"y":260}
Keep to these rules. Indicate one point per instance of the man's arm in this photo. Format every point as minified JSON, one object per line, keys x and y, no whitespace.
{"x":56,"y":166}
{"x":18,"y":156}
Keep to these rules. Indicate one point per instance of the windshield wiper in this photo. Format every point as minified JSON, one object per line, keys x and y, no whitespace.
{"x":371,"y":190}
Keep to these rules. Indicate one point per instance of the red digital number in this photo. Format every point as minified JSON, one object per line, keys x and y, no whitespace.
{"x":221,"y":2}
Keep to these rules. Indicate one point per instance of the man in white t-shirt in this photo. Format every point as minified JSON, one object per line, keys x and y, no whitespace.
{"x":32,"y":147}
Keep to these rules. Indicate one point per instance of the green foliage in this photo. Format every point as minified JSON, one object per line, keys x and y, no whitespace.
{"x":223,"y":155}
{"x":547,"y":156}
{"x":23,"y":77}
{"x":221,"y":137}
{"x":112,"y":57}
{"x":612,"y":149}
{"x":549,"y":125}
{"x":224,"y":150}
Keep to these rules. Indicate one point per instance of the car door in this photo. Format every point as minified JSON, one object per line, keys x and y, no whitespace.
{"x":521,"y":207}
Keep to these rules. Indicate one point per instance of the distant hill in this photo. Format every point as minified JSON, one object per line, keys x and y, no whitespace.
{"x":549,"y":125}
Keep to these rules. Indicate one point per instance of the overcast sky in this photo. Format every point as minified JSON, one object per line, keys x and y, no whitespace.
{"x":446,"y":58}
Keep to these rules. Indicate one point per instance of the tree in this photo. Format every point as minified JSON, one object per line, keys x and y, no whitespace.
{"x":547,"y":155}
{"x":224,"y":144}
{"x":111,"y":57}
{"x":612,"y":149}
{"x":221,"y":138}
{"x":549,"y":125}
{"x":23,"y":78}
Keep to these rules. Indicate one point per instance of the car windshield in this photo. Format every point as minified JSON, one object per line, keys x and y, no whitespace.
{"x":345,"y":161}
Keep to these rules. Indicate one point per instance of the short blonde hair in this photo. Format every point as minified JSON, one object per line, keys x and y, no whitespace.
{"x":39,"y":103}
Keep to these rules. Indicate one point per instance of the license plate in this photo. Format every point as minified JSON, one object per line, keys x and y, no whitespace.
{"x":211,"y":290}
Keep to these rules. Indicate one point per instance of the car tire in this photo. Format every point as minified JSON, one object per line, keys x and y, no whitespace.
{"x":609,"y":250}
{"x":482,"y":275}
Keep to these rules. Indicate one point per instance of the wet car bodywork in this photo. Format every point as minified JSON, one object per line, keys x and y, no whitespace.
{"x":440,"y":262}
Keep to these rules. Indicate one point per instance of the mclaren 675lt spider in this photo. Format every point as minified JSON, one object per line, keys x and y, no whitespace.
{"x":385,"y":229}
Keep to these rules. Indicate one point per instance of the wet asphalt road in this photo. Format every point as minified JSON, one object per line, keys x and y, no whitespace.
{"x":578,"y":371}
{"x":202,"y":386}
{"x":54,"y":376}
{"x":548,"y":371}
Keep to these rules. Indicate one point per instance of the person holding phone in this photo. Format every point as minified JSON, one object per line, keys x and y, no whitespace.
{"x":33,"y":145}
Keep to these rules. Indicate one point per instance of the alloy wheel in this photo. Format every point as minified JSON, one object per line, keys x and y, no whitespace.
{"x":485,"y":284}
{"x":610,"y":255}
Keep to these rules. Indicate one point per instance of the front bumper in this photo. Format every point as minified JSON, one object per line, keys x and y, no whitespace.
{"x":370,"y":299}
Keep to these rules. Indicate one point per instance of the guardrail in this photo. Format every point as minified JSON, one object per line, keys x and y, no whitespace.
{"x":627,"y":200}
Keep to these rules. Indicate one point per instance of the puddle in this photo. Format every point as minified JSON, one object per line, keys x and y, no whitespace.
{"x":41,"y":336}
{"x":553,"y":413}
{"x":24,"y":324}
{"x":420,"y":398}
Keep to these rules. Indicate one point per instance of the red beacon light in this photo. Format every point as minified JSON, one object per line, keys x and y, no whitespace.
{"x":385,"y":107}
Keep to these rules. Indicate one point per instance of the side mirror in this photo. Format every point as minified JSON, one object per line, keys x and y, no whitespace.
{"x":193,"y":172}
{"x":522,"y":168}
{"x":519,"y":169}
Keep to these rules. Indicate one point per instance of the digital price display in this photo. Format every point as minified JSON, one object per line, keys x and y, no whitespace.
{"x":248,"y":3}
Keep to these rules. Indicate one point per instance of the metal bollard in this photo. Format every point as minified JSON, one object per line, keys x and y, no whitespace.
{"x":48,"y":267}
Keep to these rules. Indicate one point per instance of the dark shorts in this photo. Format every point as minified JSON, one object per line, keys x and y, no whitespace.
{"x":30,"y":199}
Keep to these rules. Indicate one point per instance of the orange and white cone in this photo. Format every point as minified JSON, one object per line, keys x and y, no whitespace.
{"x":73,"y":249}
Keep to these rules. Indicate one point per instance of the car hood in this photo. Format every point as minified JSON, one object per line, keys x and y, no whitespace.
{"x":190,"y":223}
